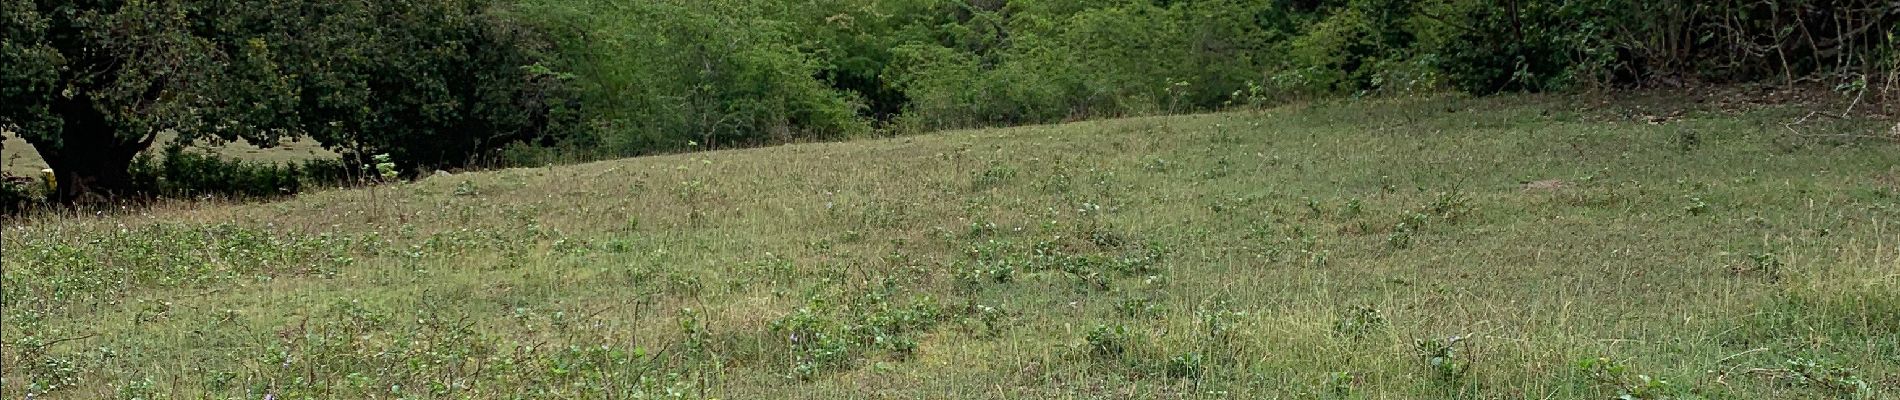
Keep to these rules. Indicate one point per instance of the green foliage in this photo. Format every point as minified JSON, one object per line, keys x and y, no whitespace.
{"x":18,"y":193}
{"x":182,"y":173}
{"x":1443,"y":359}
{"x":824,"y":337}
{"x":431,"y":83}
{"x":1064,"y":60}
{"x":88,"y":97}
{"x":1629,"y":385}
{"x":1532,"y":46}
{"x":1841,"y":382}
{"x":1185,"y":366}
{"x":382,"y":167}
{"x":1558,"y":45}
{"x":1108,"y":341}
{"x":576,"y":281}
{"x":1350,"y":48}
{"x":1359,"y":321}
{"x":656,"y":76}
{"x":459,"y":83}
{"x":193,"y":174}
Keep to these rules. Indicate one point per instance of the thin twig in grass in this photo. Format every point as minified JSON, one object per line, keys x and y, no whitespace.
{"x":1733,"y":356}
{"x":1850,"y":105}
{"x":1770,"y":372}
{"x":597,"y":313}
{"x":1804,"y":119}
{"x":1854,"y":136}
{"x":58,"y":341}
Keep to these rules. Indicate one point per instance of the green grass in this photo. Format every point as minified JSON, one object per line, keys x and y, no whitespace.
{"x":1512,"y":247}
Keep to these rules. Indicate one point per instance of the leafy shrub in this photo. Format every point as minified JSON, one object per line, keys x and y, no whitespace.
{"x":180,"y":173}
{"x":1359,"y":321}
{"x":191,"y":174}
{"x":1533,"y":46}
{"x":1346,"y":49}
{"x":1841,"y":382}
{"x":328,"y":172}
{"x":1628,"y":385}
{"x":16,"y":194}
{"x":1108,"y":341}
{"x":1442,"y":358}
{"x":1185,"y":366}
{"x":822,"y":337}
{"x":656,"y":76}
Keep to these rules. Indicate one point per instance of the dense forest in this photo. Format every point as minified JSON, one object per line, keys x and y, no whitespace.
{"x":443,"y":84}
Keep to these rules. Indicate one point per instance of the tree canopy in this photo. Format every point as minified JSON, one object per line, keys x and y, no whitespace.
{"x":91,"y":84}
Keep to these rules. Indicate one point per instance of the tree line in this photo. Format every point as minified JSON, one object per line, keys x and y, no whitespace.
{"x":438,"y":84}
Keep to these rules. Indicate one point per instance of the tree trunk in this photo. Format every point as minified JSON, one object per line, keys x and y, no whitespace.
{"x":91,"y":176}
{"x":91,"y":160}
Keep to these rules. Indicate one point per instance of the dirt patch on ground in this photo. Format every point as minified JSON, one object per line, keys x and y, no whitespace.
{"x":1890,"y":180}
{"x":1546,"y":185}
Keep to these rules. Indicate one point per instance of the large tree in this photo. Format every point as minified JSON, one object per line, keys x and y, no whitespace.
{"x":434,"y":83}
{"x":91,"y":83}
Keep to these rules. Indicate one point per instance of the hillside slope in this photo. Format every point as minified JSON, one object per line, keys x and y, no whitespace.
{"x":1498,"y":248}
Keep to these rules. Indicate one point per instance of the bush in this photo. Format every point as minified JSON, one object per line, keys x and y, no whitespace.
{"x":330,"y":172}
{"x":17,"y":194}
{"x":1535,"y":46}
{"x":1047,"y":62}
{"x":187,"y":174}
{"x":666,"y":75}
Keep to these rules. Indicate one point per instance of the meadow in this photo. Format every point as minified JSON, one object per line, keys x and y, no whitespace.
{"x":1511,"y":247}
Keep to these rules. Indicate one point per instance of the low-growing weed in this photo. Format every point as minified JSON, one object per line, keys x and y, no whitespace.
{"x":1184,"y":366}
{"x":1359,"y":321}
{"x":1823,"y":376}
{"x":1629,"y":385}
{"x":1139,"y":307}
{"x":1442,"y":359}
{"x":1108,"y":340}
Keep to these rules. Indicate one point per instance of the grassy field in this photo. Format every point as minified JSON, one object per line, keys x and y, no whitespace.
{"x":1508,"y":248}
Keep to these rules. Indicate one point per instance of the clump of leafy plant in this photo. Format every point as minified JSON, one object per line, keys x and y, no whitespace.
{"x":830,"y":333}
{"x":466,"y":188}
{"x":382,"y":167}
{"x":1442,"y":359}
{"x":991,"y":318}
{"x":1108,"y":340}
{"x":996,"y":176}
{"x":1341,"y":383}
{"x":1401,"y":236}
{"x":1447,"y":208}
{"x":1450,"y":207}
{"x":46,"y":372}
{"x":1218,"y":321}
{"x":1359,"y":321}
{"x":1138,"y":307}
{"x":1188,"y":366}
{"x":1696,"y":206}
{"x":1765,"y":264}
{"x":1839,"y":381}
{"x":1687,"y":140}
{"x":1629,"y":386}
{"x":815,"y":342}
